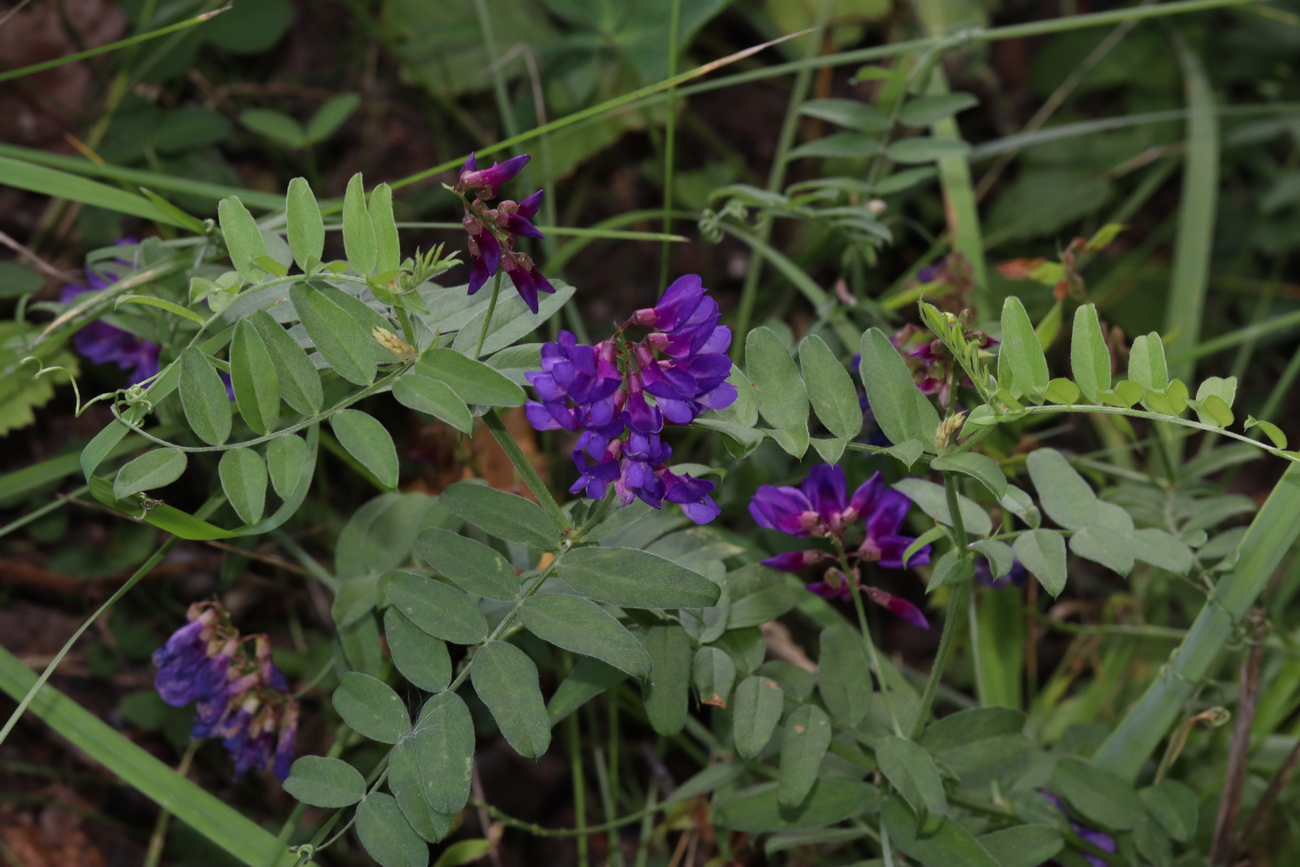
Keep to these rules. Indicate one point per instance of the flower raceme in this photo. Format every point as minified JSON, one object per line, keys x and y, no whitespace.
{"x":821,"y":507}
{"x":619,"y":394}
{"x":242,"y":697}
{"x":492,"y":230}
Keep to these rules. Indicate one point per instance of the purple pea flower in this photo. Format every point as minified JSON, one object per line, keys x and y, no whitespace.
{"x":107,"y":344}
{"x":242,"y":700}
{"x":620,"y":394}
{"x":492,"y":230}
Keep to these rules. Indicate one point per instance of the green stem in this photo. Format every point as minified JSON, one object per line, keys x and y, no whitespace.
{"x":525,"y":469}
{"x":851,"y":575}
{"x":579,"y":788}
{"x":487,"y":320}
{"x":959,"y":595}
{"x":670,"y":137}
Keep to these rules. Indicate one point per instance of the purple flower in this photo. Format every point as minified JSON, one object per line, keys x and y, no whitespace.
{"x":886,"y":509}
{"x":527,"y":279}
{"x":242,"y":700}
{"x":619,"y":395}
{"x":107,"y":344}
{"x":487,"y":182}
{"x":898,"y":607}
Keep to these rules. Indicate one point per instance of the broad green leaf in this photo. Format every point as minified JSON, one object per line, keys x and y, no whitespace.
{"x":1160,"y":549}
{"x":973,"y":724}
{"x":1272,"y":431}
{"x":923,"y":149}
{"x":506,"y":516}
{"x":851,"y":113}
{"x":812,"y":837}
{"x":1097,"y":794}
{"x":927,"y":110}
{"x":1103,"y":545}
{"x":998,"y":554}
{"x":358,"y":232}
{"x":1061,"y":391}
{"x":275,"y":125}
{"x":829,"y":449}
{"x":296,"y":376}
{"x":901,"y":410}
{"x":506,"y":680}
{"x":438,"y":609}
{"x":329,"y":117}
{"x":371,"y":708}
{"x":443,"y":746}
{"x":379,"y":535}
{"x":1172,"y":401}
{"x":474,"y":381}
{"x":588,"y":679}
{"x":913,"y":773}
{"x":153,"y":469}
{"x":1125,"y":393}
{"x":465,"y":852}
{"x":243,"y":238}
{"x":1066,"y":497}
{"x":421,"y":658}
{"x":343,"y":341}
{"x":634,"y":579}
{"x":756,"y":711}
{"x":305,"y":226}
{"x":756,"y":810}
{"x":325,"y":782}
{"x":981,"y":468}
{"x":474,"y":566}
{"x":388,"y":251}
{"x":367,"y":440}
{"x":844,"y":675}
{"x":714,"y":674}
{"x":1174,"y":806}
{"x":830,"y":388}
{"x":757,"y":595}
{"x":1042,"y":552}
{"x":744,"y":412}
{"x":253,"y":376}
{"x":204,"y":398}
{"x":433,"y":398}
{"x":243,"y":479}
{"x":284,"y":459}
{"x":948,"y":845}
{"x":1146,"y":362}
{"x":804,"y":741}
{"x":667,"y":691}
{"x":778,"y":388}
{"x":1020,"y":504}
{"x":931,"y":499}
{"x":848,"y":145}
{"x":386,"y":834}
{"x":1215,"y":396}
{"x":512,"y":320}
{"x":1152,"y":843}
{"x":408,"y":788}
{"x":584,"y":627}
{"x":1046,"y":330}
{"x":1021,"y":350}
{"x":1089,"y":355}
{"x":1023,"y":845}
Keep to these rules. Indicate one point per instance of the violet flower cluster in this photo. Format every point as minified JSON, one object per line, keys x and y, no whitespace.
{"x":619,"y":394}
{"x":822,"y":508}
{"x":242,"y":697}
{"x":107,"y":344}
{"x":492,"y":230}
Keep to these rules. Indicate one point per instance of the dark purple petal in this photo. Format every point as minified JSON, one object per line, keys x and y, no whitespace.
{"x":790,"y":561}
{"x":484,"y":265}
{"x":900,"y":608}
{"x":886,"y":518}
{"x":864,"y":499}
{"x":490,"y":180}
{"x":892,"y":549}
{"x":825,"y":489}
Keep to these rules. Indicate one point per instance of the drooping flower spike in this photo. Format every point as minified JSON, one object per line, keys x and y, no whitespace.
{"x":619,"y":394}
{"x":492,"y":230}
{"x":821,"y":507}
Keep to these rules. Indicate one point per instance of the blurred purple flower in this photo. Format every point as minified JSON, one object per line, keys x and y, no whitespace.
{"x":1100,"y":839}
{"x":107,"y":344}
{"x":619,"y":394}
{"x":1017,"y":576}
{"x":242,"y":700}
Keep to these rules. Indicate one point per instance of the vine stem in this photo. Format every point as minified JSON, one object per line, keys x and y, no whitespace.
{"x":959,"y":595}
{"x":525,"y":469}
{"x":487,"y":320}
{"x":852,"y":575}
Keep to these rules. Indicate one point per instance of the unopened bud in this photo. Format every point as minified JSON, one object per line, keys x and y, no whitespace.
{"x":395,"y":344}
{"x":948,"y":429}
